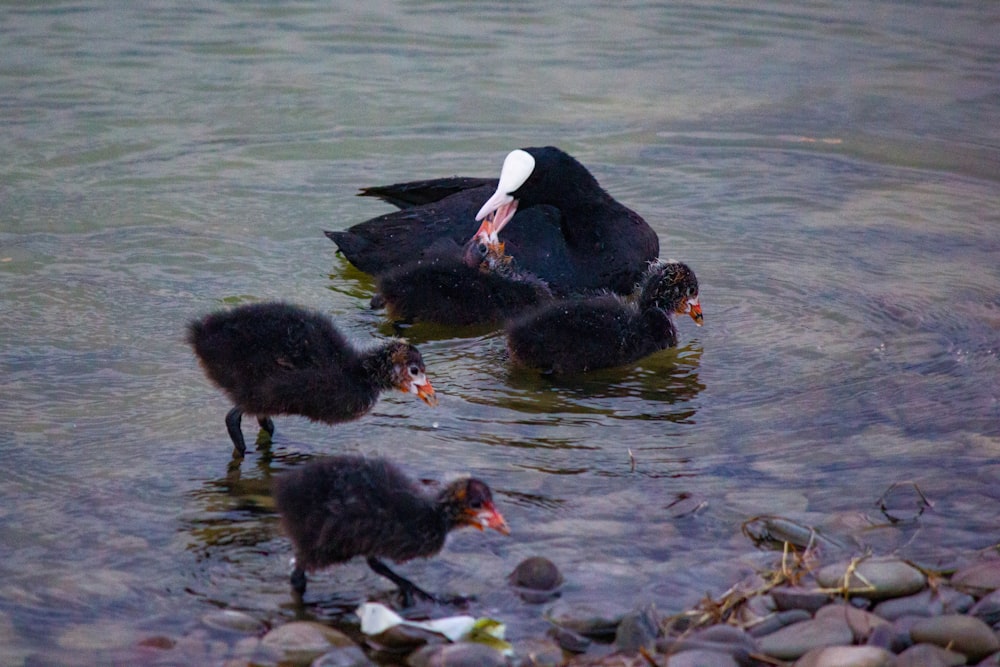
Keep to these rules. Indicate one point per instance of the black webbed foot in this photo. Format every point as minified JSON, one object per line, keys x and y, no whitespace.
{"x":298,"y":581}
{"x":233,"y":420}
{"x":267,"y":424}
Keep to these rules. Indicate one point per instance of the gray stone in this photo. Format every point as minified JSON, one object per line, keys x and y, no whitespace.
{"x":401,"y":637}
{"x":346,"y":656}
{"x":536,"y":573}
{"x":789,"y":597}
{"x":928,"y":655}
{"x":979,"y":578}
{"x":925,"y":603}
{"x":726,"y":634}
{"x":861,"y":622}
{"x":716,"y":639}
{"x":987,"y":610}
{"x":539,"y":653}
{"x":590,"y":620}
{"x":462,"y":654}
{"x":569,"y":640}
{"x":794,"y":641}
{"x":873,"y":578}
{"x":235,"y":621}
{"x":637,"y":630}
{"x":777,"y":621}
{"x":304,"y":641}
{"x":889,"y":637}
{"x":702,"y":658}
{"x":965,"y":634}
{"x":846,"y":656}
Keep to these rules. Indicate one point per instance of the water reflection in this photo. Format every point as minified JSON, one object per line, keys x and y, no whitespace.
{"x":840,"y":207}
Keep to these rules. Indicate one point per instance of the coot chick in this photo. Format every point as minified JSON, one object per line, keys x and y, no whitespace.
{"x":336,"y":508}
{"x":605,"y":331}
{"x":280,"y":359}
{"x":564,"y":228}
{"x":485,"y":287}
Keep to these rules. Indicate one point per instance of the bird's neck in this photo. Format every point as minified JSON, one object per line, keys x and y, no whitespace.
{"x":377,"y":366}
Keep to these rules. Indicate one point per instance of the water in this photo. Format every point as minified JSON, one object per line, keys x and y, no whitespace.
{"x":830,"y":171}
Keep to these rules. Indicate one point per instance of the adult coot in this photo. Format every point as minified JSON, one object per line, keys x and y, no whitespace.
{"x":280,"y":359}
{"x":486,"y":286}
{"x":336,"y":508}
{"x":564,"y":228}
{"x":607,"y":330}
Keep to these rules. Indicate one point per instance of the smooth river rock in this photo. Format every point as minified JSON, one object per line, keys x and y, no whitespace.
{"x":963,"y":634}
{"x":927,"y":602}
{"x":874,"y":578}
{"x":462,"y":654}
{"x":303,"y":641}
{"x":978,"y":578}
{"x":928,"y":655}
{"x":794,"y":641}
{"x":846,"y":656}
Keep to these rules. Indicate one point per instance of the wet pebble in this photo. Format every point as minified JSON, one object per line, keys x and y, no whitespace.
{"x":702,"y":658}
{"x":789,"y":597}
{"x":861,"y":623}
{"x":303,"y":641}
{"x":401,"y":638}
{"x":928,"y":655}
{"x":846,"y":656}
{"x":979,"y":578}
{"x":987,"y":609}
{"x":588,"y":619}
{"x":102,"y":635}
{"x":536,"y":580}
{"x":344,"y":656}
{"x":83,"y":587}
{"x":539,"y":653}
{"x":873,"y":578}
{"x":718,"y":639}
{"x":462,"y":654}
{"x":925,"y":603}
{"x":794,"y":641}
{"x":964,"y":634}
{"x":637,"y":630}
{"x":890,"y":637}
{"x":569,"y":640}
{"x":779,"y":620}
{"x":232,"y":620}
{"x":537,"y":573}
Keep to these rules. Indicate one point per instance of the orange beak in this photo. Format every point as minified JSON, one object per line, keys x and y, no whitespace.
{"x":424,"y":392}
{"x":694,"y":310}
{"x":489,"y":517}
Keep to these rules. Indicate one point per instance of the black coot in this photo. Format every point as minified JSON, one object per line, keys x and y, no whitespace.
{"x":604,"y":331}
{"x":280,"y":359}
{"x":564,"y":228}
{"x":485,"y":287}
{"x":336,"y":508}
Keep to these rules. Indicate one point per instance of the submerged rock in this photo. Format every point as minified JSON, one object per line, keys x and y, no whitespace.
{"x":303,"y":641}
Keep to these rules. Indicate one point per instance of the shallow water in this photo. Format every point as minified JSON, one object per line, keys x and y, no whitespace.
{"x":830,"y":171}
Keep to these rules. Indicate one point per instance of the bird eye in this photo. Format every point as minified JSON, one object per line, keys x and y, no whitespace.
{"x":691,"y":291}
{"x":414,"y":370}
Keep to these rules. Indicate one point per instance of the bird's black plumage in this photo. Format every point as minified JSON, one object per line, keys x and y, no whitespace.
{"x":567,"y":231}
{"x":577,"y":335}
{"x":336,"y":508}
{"x":280,"y":359}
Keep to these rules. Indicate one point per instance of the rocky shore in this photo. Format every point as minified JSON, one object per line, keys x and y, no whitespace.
{"x":870,"y":611}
